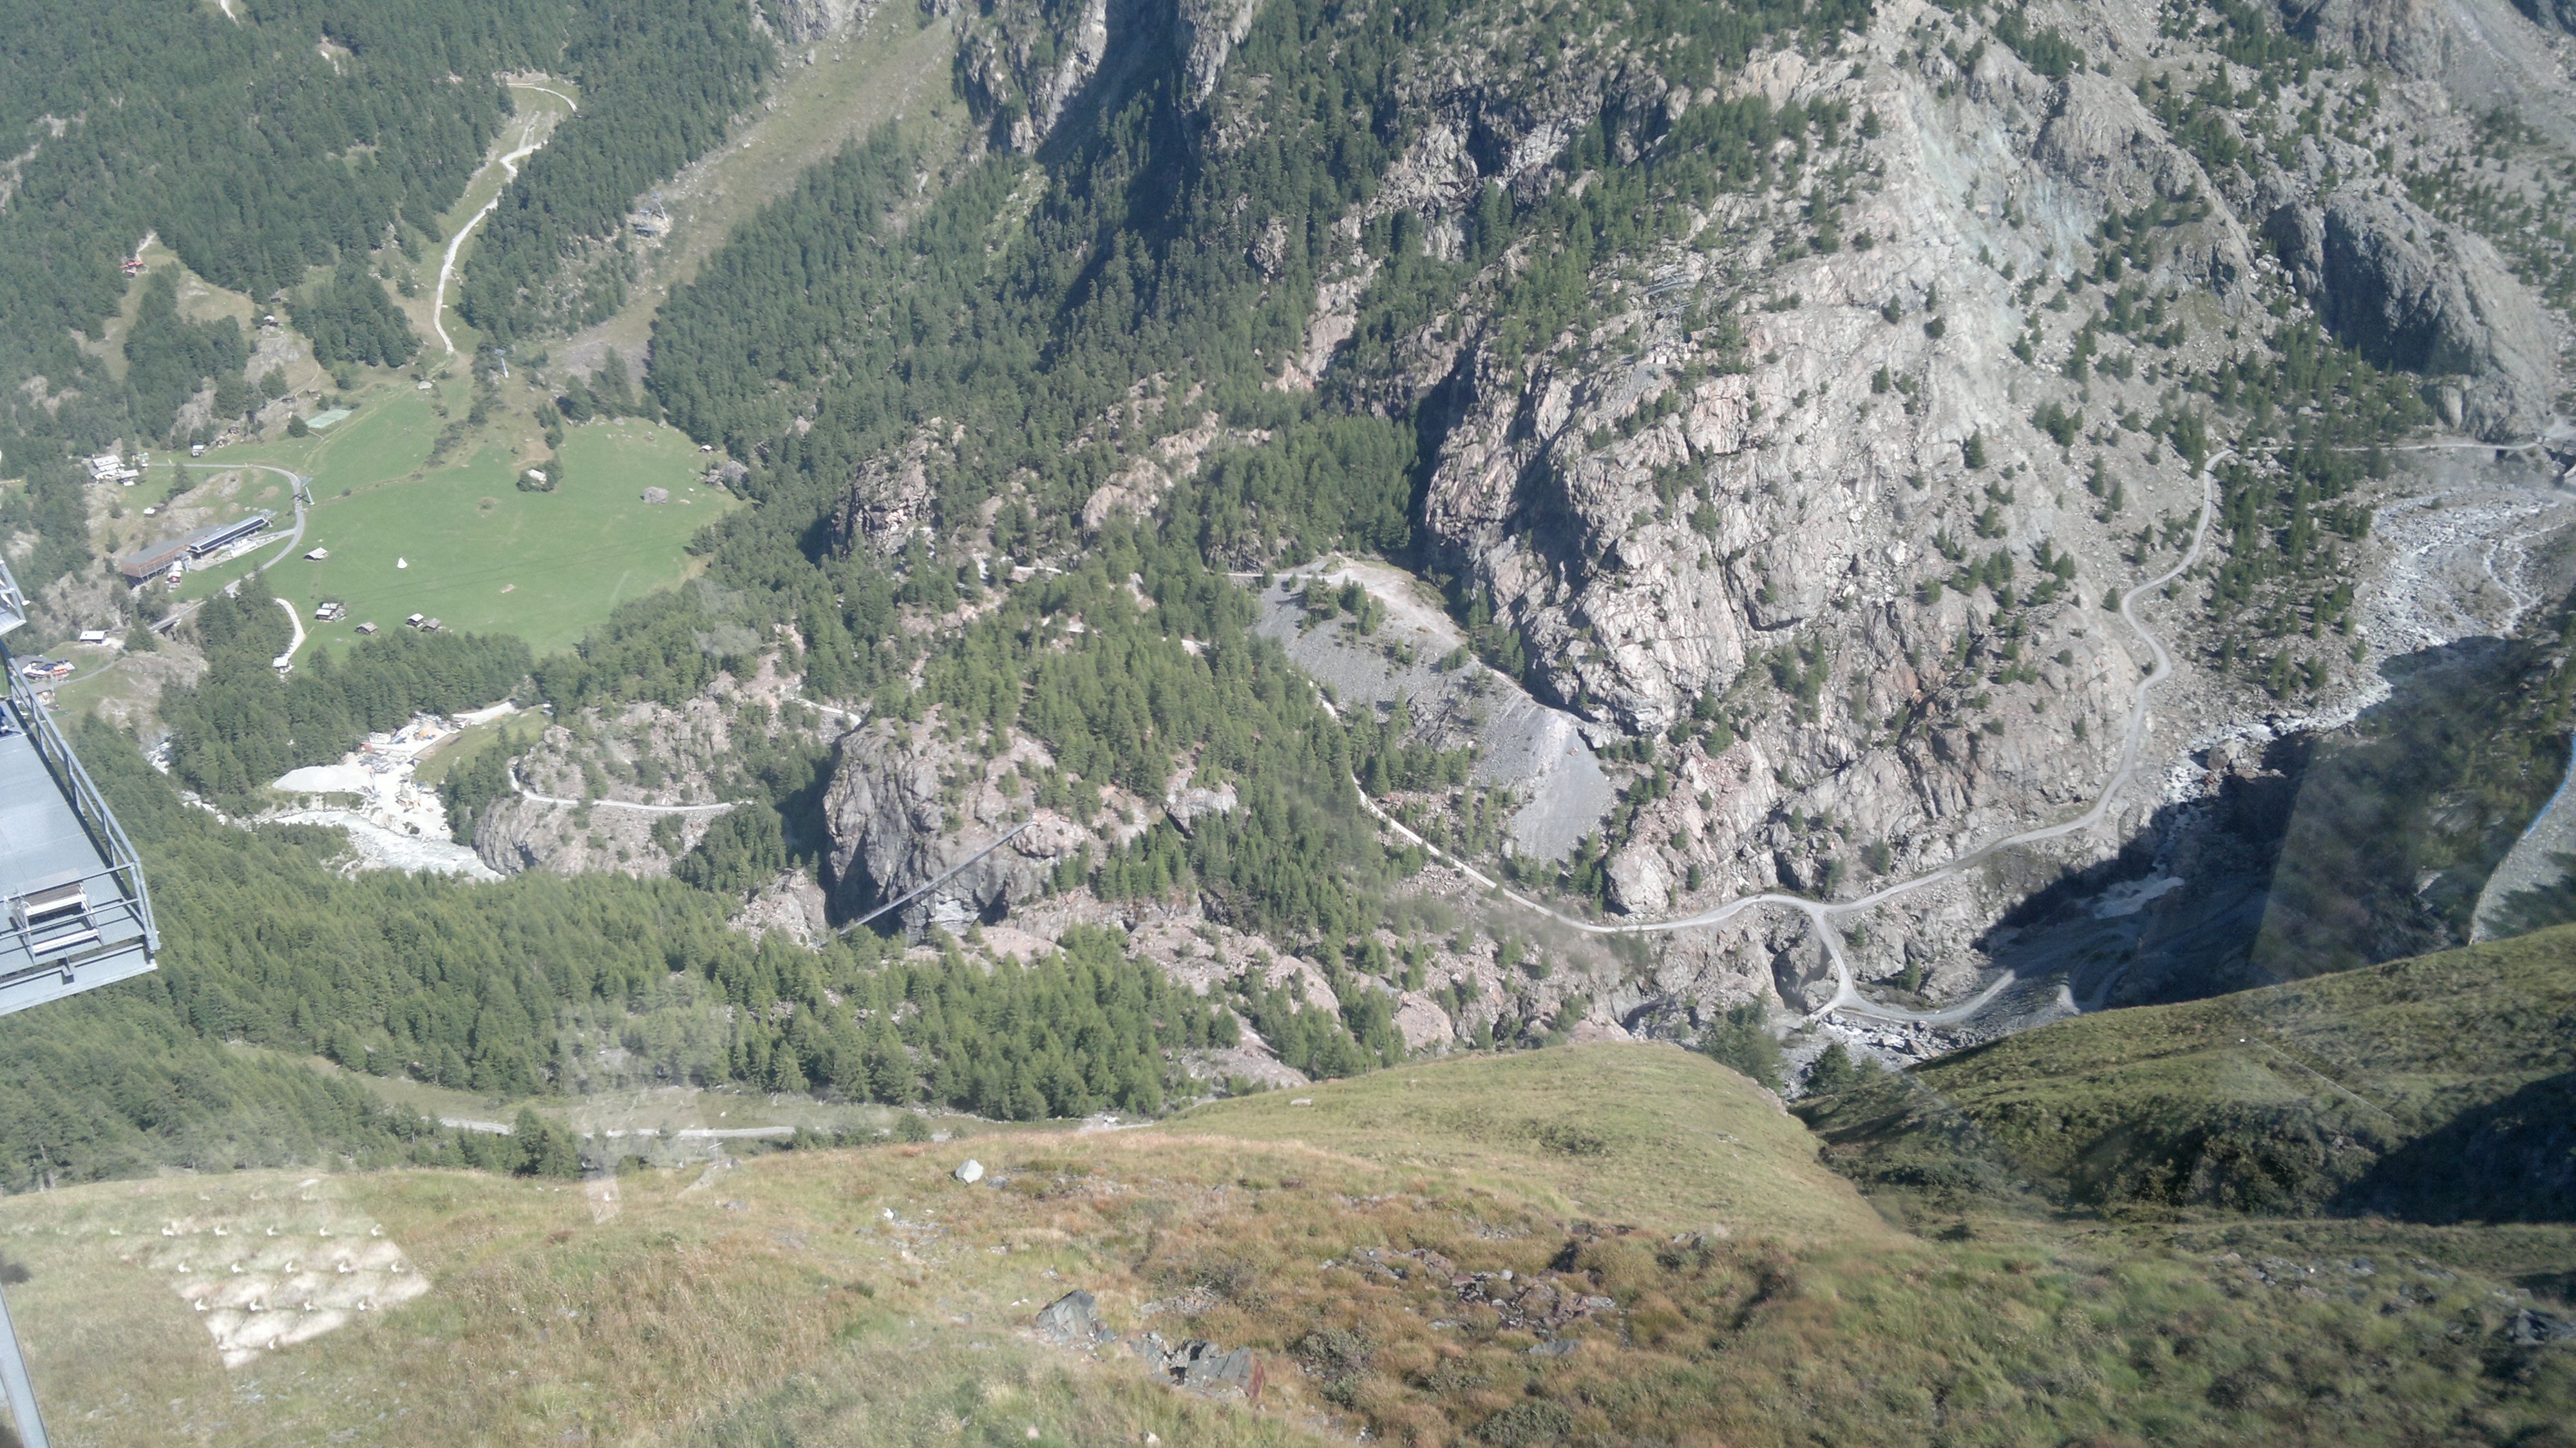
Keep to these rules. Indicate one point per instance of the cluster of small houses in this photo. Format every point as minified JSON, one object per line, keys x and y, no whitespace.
{"x":171,"y":557}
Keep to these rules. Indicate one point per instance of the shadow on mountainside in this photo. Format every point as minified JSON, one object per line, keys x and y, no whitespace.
{"x":2316,"y":851}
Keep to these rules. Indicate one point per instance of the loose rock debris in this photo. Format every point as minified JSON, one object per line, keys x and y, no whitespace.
{"x":1197,"y":1365}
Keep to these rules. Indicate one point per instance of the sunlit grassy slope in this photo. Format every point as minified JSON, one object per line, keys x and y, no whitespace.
{"x":2433,"y":1087}
{"x":1656,"y":1136}
{"x":867,"y":1297}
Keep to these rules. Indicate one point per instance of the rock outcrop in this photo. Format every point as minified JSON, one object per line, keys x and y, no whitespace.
{"x":2560,"y":14}
{"x":1672,"y":510}
{"x":2410,"y":292}
{"x":799,"y":21}
{"x":2484,"y":54}
{"x":905,"y":809}
{"x":888,"y":499}
{"x":1022,"y":64}
{"x":1208,"y":31}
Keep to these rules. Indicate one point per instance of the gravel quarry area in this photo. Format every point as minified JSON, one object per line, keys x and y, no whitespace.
{"x":1538,"y":753}
{"x":377,"y":848}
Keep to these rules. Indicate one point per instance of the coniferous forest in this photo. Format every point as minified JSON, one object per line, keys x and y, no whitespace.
{"x":283,"y":155}
{"x":987,"y":324}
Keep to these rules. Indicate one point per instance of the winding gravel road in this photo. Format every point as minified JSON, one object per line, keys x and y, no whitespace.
{"x":297,"y":620}
{"x":295,"y":489}
{"x":1847,"y":996}
{"x":529,"y":144}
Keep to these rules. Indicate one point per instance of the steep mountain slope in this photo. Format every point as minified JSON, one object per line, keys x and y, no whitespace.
{"x":1783,"y":400}
{"x":2432,"y":1089}
{"x":1786,"y":396}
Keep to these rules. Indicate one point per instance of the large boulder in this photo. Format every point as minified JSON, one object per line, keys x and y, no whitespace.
{"x":1073,"y":1320}
{"x":2409,"y":292}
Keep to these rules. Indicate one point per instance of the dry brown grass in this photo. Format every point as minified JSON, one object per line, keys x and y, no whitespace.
{"x":1652,"y":1135}
{"x":778,"y":1303}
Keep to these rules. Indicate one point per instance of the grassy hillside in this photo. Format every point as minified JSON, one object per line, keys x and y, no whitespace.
{"x":865,"y":1296}
{"x":1657,"y":1137}
{"x":2422,"y":1087}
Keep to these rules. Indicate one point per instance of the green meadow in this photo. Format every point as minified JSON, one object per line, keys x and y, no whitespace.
{"x":476,"y":552}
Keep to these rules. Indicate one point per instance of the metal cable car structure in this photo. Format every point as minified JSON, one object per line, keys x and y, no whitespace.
{"x":74,"y":912}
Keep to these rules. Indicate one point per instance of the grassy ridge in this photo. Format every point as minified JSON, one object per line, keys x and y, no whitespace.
{"x":1658,"y":1137}
{"x":2340,"y":1090}
{"x":849,"y":1297}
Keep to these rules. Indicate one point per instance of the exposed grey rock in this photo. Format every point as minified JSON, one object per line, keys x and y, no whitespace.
{"x":2408,"y":36}
{"x":1207,"y":30}
{"x":888,"y":498}
{"x":1203,"y":1367}
{"x":971,"y":1171}
{"x":1639,"y":883}
{"x":892,"y":831}
{"x":1537,"y":753}
{"x":1001,"y":62}
{"x":799,"y":21}
{"x":792,"y":904}
{"x":2558,"y":13}
{"x":2410,"y":292}
{"x":2530,"y":1328}
{"x":2484,"y":54}
{"x":1073,"y":1320}
{"x":1188,"y":804}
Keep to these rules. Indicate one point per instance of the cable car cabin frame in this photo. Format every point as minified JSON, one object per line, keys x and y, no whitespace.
{"x":74,"y":911}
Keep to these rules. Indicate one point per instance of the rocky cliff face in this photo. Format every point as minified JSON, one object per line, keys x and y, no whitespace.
{"x":1807,"y":522}
{"x":799,"y":21}
{"x":2557,"y":13}
{"x":906,"y":810}
{"x":1023,"y":64}
{"x":1205,"y":32}
{"x":1743,"y":479}
{"x":2415,"y":294}
{"x":2480,"y":54}
{"x":680,"y":763}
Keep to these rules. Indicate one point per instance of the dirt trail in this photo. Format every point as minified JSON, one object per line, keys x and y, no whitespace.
{"x":678,"y":809}
{"x":534,"y":132}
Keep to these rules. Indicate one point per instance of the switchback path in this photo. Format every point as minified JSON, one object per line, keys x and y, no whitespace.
{"x":295,"y":489}
{"x":297,"y":620}
{"x":1847,"y":996}
{"x":296,"y":486}
{"x":529,"y":144}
